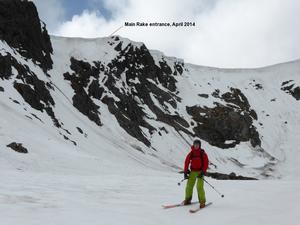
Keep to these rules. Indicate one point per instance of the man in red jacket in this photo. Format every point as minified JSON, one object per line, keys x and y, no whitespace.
{"x":197,"y":162}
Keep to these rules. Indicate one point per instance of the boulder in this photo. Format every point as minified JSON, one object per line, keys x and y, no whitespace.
{"x":18,"y":147}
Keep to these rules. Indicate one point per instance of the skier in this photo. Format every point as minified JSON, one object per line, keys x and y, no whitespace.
{"x":197,"y":161}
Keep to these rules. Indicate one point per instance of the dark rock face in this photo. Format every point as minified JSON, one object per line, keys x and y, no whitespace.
{"x":17,"y":147}
{"x":83,"y":72}
{"x":37,"y":97}
{"x":1,"y":89}
{"x":68,"y":139}
{"x":29,"y":95}
{"x":21,"y":28}
{"x":85,"y":105}
{"x":5,"y":66}
{"x":27,"y":77}
{"x":127,"y":111}
{"x":33,"y":90}
{"x":79,"y":130}
{"x":296,"y":93}
{"x":231,"y":176}
{"x":289,"y":87}
{"x":95,"y":90}
{"x":231,"y":122}
{"x":203,"y":95}
{"x":136,"y":87}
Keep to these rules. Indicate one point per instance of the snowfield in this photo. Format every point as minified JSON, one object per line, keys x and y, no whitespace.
{"x":136,"y":198}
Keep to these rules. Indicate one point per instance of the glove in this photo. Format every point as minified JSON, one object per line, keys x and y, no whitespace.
{"x":186,"y":174}
{"x":201,"y":174}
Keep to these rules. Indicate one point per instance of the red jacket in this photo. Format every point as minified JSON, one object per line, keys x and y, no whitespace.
{"x":198,"y":160}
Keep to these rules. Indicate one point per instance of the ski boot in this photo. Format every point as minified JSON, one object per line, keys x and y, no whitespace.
{"x":202,"y":205}
{"x":187,"y":201}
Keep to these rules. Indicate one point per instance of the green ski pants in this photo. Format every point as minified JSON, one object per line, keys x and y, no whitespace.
{"x":190,"y":186}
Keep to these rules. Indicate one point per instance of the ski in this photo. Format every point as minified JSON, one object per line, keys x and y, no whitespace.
{"x":198,"y":209}
{"x":177,"y":205}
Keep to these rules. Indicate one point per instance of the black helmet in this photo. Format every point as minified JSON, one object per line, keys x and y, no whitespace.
{"x":197,"y":141}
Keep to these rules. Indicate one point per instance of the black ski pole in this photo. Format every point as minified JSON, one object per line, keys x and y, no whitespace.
{"x":181,"y":181}
{"x":214,"y":188}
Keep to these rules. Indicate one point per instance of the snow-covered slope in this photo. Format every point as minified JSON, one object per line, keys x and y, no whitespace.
{"x":111,"y":102}
{"x":277,"y":116}
{"x":277,"y":112}
{"x":136,"y":198}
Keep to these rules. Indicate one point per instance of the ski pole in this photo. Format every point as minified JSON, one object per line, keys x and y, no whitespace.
{"x":214,"y":188}
{"x":181,"y":181}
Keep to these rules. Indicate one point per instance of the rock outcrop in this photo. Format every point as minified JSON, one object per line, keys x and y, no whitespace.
{"x":22,"y":29}
{"x":226,"y":125}
{"x":291,"y":88}
{"x":18,"y":147}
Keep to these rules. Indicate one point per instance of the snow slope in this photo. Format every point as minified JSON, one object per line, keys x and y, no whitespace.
{"x":279,"y":118}
{"x":277,"y":112}
{"x":136,"y":198}
{"x":277,"y":124}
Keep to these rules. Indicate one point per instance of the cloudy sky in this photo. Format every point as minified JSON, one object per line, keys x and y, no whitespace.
{"x":228,"y":33}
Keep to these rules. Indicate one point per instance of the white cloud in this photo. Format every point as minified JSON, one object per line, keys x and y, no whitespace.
{"x":229,"y":33}
{"x":88,"y":24}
